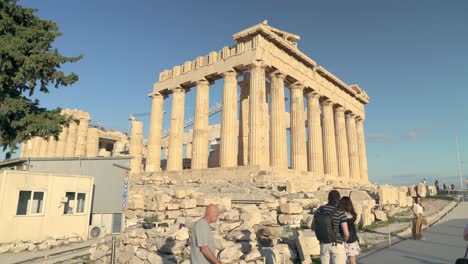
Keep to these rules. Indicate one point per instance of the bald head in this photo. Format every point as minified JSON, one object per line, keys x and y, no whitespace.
{"x":211,"y":213}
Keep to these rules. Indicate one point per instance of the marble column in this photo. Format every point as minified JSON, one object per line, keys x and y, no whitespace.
{"x":92,"y":142}
{"x":166,"y":152}
{"x":153,"y":159}
{"x":329,"y":144}
{"x":136,"y":146}
{"x":228,"y":148}
{"x":24,"y":149}
{"x":315,"y":159}
{"x":258,"y":133}
{"x":362,"y":150}
{"x":354,"y":166}
{"x":176,"y":132}
{"x":62,"y":141}
{"x":278,"y":152}
{"x":71,"y":139}
{"x":36,"y":147}
{"x":82,"y":133}
{"x":243,"y":150}
{"x":188,"y":150}
{"x":200,"y":126}
{"x":341,"y":142}
{"x":43,"y":148}
{"x":298,"y":138}
{"x":52,"y":147}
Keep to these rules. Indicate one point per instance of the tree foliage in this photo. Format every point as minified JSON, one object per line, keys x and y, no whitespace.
{"x":28,"y":62}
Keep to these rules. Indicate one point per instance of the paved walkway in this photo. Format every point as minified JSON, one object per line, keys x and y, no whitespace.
{"x":443,"y":243}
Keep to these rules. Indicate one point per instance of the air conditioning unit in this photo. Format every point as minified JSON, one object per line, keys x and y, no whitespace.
{"x":96,"y":231}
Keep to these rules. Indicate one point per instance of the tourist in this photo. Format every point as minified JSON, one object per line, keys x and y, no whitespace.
{"x":452,"y":186}
{"x":436,"y":183}
{"x":331,"y":228}
{"x":418,"y":209}
{"x":202,"y":247}
{"x":445,"y":186}
{"x":352,"y":245}
{"x":465,"y":233}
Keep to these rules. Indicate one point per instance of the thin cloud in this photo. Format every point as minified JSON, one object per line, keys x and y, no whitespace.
{"x":380,"y":138}
{"x":413,"y":133}
{"x":410,"y":134}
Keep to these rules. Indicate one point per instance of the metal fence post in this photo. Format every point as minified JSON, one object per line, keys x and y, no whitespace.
{"x":113,"y":251}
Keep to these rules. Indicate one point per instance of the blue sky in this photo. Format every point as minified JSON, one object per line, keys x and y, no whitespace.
{"x":411,"y":57}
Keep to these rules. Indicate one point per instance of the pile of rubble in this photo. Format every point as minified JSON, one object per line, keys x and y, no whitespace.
{"x":40,"y":244}
{"x":273,"y":229}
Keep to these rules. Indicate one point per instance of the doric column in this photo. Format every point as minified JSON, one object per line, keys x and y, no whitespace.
{"x":200,"y":126}
{"x":43,"y":148}
{"x":52,"y":147}
{"x":243,"y":150}
{"x":315,"y":159}
{"x":228,"y":148}
{"x":62,"y":142}
{"x":82,"y":133}
{"x":353,"y":146}
{"x":279,"y":152}
{"x":258,"y":133}
{"x":329,"y":144}
{"x":298,"y":139}
{"x":36,"y":147}
{"x":71,"y":139}
{"x":362,"y":150}
{"x":166,"y":152}
{"x":341,"y":142}
{"x":176,"y":132}
{"x":153,"y":159}
{"x":92,"y":142}
{"x":136,"y":146}
{"x":188,"y":150}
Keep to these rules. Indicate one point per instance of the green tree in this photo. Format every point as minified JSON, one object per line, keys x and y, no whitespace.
{"x":28,"y":62}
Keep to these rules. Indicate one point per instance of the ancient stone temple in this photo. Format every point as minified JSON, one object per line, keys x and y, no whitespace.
{"x":325,"y":119}
{"x":78,"y":139}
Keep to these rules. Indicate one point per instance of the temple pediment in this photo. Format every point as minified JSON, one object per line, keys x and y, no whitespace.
{"x":267,"y":30}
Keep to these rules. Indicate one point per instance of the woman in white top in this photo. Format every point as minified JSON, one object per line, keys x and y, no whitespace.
{"x":418,"y":209}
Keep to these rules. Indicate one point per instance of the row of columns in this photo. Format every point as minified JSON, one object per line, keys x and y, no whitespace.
{"x":75,"y":140}
{"x":336,"y":136}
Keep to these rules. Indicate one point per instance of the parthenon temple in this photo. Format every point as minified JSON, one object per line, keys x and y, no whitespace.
{"x":325,"y":120}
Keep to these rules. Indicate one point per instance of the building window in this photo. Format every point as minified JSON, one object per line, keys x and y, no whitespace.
{"x":30,"y":203}
{"x":75,"y":203}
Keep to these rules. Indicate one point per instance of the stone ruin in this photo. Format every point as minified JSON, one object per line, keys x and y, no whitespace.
{"x":259,"y":221}
{"x":78,"y":139}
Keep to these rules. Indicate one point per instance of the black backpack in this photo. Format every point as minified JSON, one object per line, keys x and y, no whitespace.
{"x":323,"y":226}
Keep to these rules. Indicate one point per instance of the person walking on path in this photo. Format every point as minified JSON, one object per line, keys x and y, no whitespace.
{"x":202,"y":247}
{"x":418,"y":210}
{"x":331,"y":228}
{"x":352,"y":248}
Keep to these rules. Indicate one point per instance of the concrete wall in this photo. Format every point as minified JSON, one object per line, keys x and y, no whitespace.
{"x":51,"y":221}
{"x":108,"y":178}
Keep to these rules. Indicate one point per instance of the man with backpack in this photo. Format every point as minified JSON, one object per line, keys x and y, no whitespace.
{"x":331,"y":228}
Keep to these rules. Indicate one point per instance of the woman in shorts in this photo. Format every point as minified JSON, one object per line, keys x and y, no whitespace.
{"x":352,"y":245}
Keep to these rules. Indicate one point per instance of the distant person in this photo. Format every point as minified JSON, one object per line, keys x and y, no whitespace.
{"x":465,"y":233}
{"x":352,"y":248}
{"x":445,"y":186}
{"x":418,"y":210}
{"x":452,"y":186}
{"x":436,"y":183}
{"x":202,"y":247}
{"x":331,"y":228}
